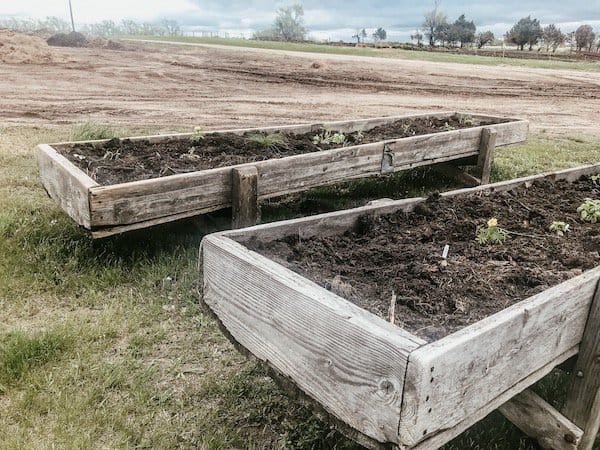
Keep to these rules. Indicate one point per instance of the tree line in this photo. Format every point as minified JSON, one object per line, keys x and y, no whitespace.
{"x":526,"y":32}
{"x":105,"y":28}
{"x":289,"y":25}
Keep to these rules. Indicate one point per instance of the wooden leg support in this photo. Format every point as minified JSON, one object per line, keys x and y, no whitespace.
{"x":577,"y":428}
{"x":484,"y":162}
{"x":486,"y":154}
{"x":244,"y":197}
{"x":583,"y":397}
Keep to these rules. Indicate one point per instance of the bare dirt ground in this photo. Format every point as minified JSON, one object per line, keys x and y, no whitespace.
{"x":149,"y":86}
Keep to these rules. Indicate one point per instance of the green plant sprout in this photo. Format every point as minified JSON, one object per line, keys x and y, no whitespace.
{"x":492,"y":233}
{"x":271,"y":141}
{"x":448,"y":127}
{"x":359,"y":136}
{"x":190,"y":155}
{"x":198,"y":133}
{"x":590,"y":210}
{"x":327,"y":136}
{"x":560,"y":228}
{"x":596,"y":180}
{"x":466,"y":119}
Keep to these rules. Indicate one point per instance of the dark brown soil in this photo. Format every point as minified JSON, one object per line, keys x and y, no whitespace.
{"x":118,"y":161}
{"x":401,"y":254}
{"x":73,"y":39}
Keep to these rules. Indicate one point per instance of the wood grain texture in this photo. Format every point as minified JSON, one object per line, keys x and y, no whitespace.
{"x":592,"y":425}
{"x":244,"y":197}
{"x":65,"y":183}
{"x":440,"y":438}
{"x":461,"y":373}
{"x":585,"y":378}
{"x":350,"y":361}
{"x":145,"y":200}
{"x":539,"y":420}
{"x":338,"y":222}
{"x":485,"y":160}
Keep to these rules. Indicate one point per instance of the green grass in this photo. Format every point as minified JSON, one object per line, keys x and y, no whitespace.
{"x":380,"y":52}
{"x":89,"y":131}
{"x":103,"y":345}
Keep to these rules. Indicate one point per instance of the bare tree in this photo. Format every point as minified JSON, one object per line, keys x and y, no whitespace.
{"x":418,"y":36}
{"x":360,"y":34}
{"x":433,"y":21}
{"x":553,"y":37}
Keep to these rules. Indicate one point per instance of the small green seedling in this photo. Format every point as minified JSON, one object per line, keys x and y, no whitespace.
{"x":191,"y":155}
{"x":198,"y":133}
{"x":596,"y":180}
{"x":590,"y":210}
{"x":359,"y":136}
{"x":448,"y":127}
{"x":492,"y":234}
{"x":466,"y":119}
{"x":329,"y":137}
{"x":273,"y":141}
{"x":111,"y":156}
{"x":560,"y":228}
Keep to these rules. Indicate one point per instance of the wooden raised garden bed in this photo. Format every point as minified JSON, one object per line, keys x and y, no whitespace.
{"x":112,"y":186}
{"x":362,"y":313}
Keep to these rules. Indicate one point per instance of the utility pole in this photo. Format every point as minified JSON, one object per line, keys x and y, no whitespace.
{"x":71,"y":12}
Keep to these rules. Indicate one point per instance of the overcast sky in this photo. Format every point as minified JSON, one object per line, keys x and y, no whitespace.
{"x":334,"y":20}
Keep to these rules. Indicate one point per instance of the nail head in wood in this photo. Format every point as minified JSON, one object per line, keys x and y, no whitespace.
{"x":244,"y":197}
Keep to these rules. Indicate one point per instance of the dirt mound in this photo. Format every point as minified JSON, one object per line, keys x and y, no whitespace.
{"x":20,"y":48}
{"x":100,"y":42}
{"x":73,"y":39}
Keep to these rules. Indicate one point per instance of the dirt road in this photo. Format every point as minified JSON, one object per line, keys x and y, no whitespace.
{"x":149,"y":86}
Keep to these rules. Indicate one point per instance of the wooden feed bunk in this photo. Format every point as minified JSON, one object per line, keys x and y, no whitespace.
{"x":111,"y":209}
{"x":389,"y":387}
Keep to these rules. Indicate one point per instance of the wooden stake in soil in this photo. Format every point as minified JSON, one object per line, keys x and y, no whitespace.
{"x":393,"y":308}
{"x":583,"y":397}
{"x":244,"y":197}
{"x":486,"y":154}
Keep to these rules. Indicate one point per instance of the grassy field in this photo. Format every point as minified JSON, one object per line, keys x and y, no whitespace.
{"x":103,"y":344}
{"x":382,"y":52}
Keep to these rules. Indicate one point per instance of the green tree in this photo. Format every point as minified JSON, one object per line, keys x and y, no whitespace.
{"x":553,"y":37}
{"x":380,"y":34}
{"x":484,"y":38}
{"x":289,"y":23}
{"x":525,"y":31}
{"x":463,"y":31}
{"x":584,"y":37}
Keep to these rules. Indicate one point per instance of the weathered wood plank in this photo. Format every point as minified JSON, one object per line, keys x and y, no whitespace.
{"x":539,"y":420}
{"x":244,"y":197}
{"x":585,"y":378}
{"x":443,"y":436}
{"x":461,"y":373}
{"x":486,"y":154}
{"x":592,"y":426}
{"x":145,"y":200}
{"x":65,"y":183}
{"x":340,"y":221}
{"x":350,"y":361}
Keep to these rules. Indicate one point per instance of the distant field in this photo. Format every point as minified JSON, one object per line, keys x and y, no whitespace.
{"x":381,"y":52}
